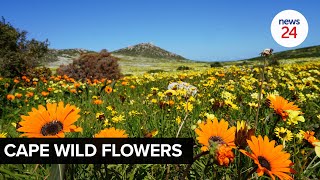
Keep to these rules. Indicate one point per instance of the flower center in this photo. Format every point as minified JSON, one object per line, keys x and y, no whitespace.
{"x":264,"y":163}
{"x":216,"y":139}
{"x":282,"y":134}
{"x":51,"y":128}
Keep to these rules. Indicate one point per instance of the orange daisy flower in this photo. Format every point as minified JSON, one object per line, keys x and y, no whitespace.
{"x":97,"y":101}
{"x":280,"y":105}
{"x":309,"y":136}
{"x":29,"y":94}
{"x":224,"y":155}
{"x":51,"y":121}
{"x":217,"y":132}
{"x":111,"y":133}
{"x":270,"y":159}
{"x":10,"y":97}
{"x":124,"y":83}
{"x":73,"y":90}
{"x":44,"y":93}
{"x":108,"y":89}
{"x":18,"y":95}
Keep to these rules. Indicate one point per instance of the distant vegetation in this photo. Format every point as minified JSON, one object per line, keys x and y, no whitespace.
{"x":54,"y":54}
{"x":155,"y":71}
{"x":148,"y":50}
{"x":181,"y":68}
{"x":216,"y":64}
{"x":307,"y":52}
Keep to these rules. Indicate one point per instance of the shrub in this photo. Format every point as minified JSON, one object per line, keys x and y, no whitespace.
{"x":183,"y":68}
{"x":17,"y":54}
{"x":42,"y":72}
{"x":243,"y":63}
{"x":274,"y":62}
{"x":92,"y":66}
{"x":155,"y":71}
{"x":216,"y":64}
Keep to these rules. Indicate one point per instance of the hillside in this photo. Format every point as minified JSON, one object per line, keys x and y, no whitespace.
{"x":306,"y":52}
{"x":147,"y":50}
{"x":57,"y":57}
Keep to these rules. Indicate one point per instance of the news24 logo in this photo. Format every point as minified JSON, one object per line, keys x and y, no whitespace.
{"x":289,"y":28}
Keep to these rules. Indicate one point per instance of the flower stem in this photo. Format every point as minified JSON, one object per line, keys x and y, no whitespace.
{"x":309,"y":166}
{"x":260,"y":93}
{"x":251,"y":172}
{"x":184,"y":119}
{"x":177,"y":135}
{"x":186,"y":171}
{"x":271,"y":135}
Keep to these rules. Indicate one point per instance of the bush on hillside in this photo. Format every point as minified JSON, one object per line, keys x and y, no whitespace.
{"x":92,"y":66}
{"x":216,"y":64}
{"x":41,"y":72}
{"x":274,"y":62}
{"x":155,"y":71}
{"x":181,"y":68}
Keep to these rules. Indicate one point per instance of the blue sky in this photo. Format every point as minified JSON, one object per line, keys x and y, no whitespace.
{"x":198,"y":30}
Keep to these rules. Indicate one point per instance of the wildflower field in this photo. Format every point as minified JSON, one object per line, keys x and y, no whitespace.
{"x":238,"y":134}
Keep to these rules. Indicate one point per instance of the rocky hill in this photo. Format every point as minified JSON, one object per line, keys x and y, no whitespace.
{"x":147,"y":50}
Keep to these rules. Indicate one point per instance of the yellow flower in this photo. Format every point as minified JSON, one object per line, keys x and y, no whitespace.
{"x":106,"y":122}
{"x":230,"y":103}
{"x":227,"y":96}
{"x":210,"y":116}
{"x":252,"y":104}
{"x":243,"y":133}
{"x":294,"y":117}
{"x":272,"y":95}
{"x":154,"y":89}
{"x":284,"y":134}
{"x":3,"y":135}
{"x":170,"y":92}
{"x":187,"y":106}
{"x":242,"y":125}
{"x":255,"y":95}
{"x":100,"y":116}
{"x":317,"y":148}
{"x":110,"y":108}
{"x":118,"y":118}
{"x":178,"y":119}
{"x":300,"y":136}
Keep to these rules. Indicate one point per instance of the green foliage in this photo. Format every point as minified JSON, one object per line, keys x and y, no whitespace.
{"x":244,"y":63}
{"x":274,"y":62}
{"x":92,"y":66}
{"x":181,"y":68}
{"x":17,"y":54}
{"x":155,"y":71}
{"x":307,"y":52}
{"x":216,"y":64}
{"x":41,"y":72}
